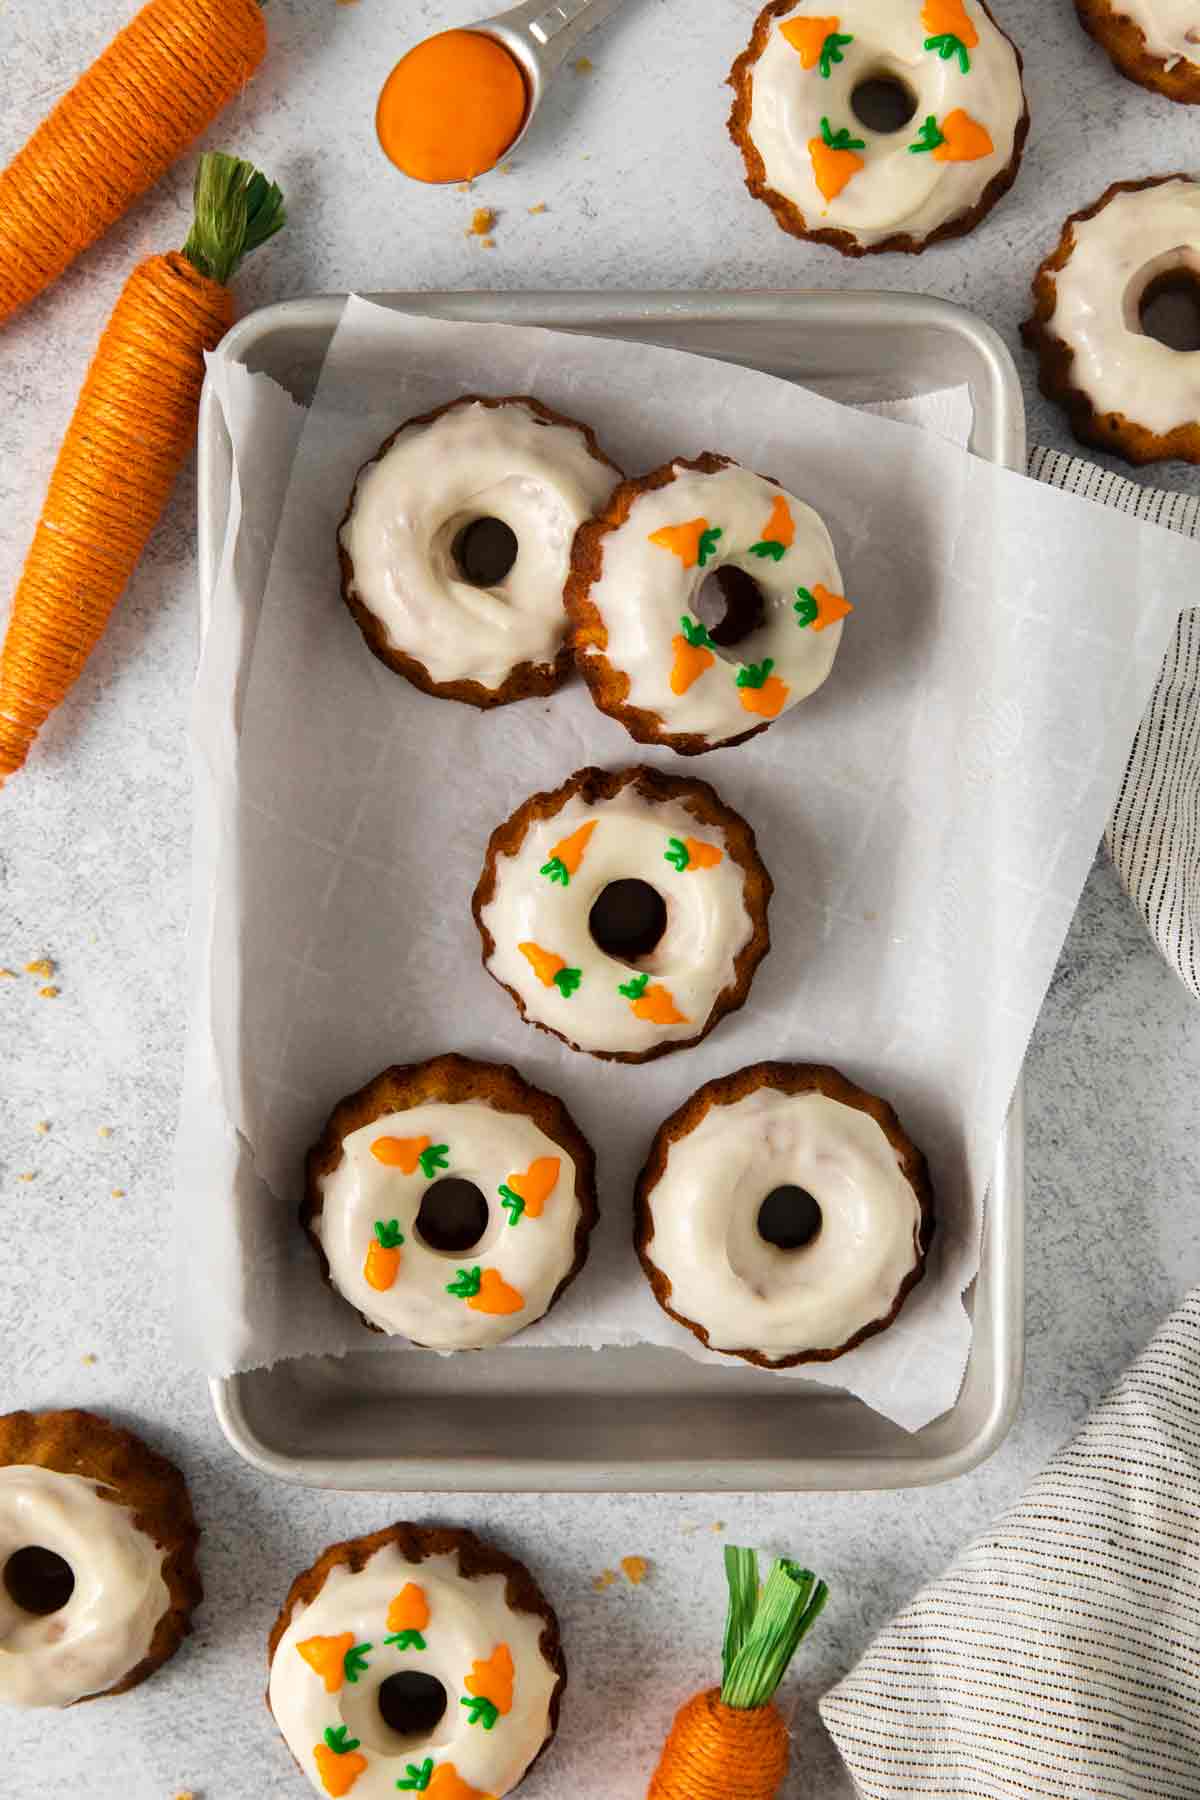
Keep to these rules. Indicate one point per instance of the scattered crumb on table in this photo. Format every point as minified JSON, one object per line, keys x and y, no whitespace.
{"x":583,"y":65}
{"x":718,"y":1524}
{"x":604,"y":1581}
{"x":487,"y":243}
{"x":44,"y":965}
{"x":635,"y":1569}
{"x":464,"y":187}
{"x":49,"y":993}
{"x":26,"y":1175}
{"x":42,"y":1127}
{"x":105,"y":1131}
{"x":539,"y":208}
{"x":8,"y":974}
{"x":89,"y":1359}
{"x":118,"y":1193}
{"x":482,"y":222}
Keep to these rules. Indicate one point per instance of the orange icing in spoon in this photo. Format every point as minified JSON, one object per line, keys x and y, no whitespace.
{"x":451,"y":107}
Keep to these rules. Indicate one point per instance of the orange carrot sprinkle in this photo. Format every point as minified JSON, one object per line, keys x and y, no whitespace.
{"x":133,"y":426}
{"x":161,"y":82}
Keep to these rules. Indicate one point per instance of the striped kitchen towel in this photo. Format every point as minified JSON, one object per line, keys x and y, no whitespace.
{"x":1154,"y":833}
{"x":1060,"y":1655}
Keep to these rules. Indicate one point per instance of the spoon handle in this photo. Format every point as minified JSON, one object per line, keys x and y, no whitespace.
{"x":552,"y":28}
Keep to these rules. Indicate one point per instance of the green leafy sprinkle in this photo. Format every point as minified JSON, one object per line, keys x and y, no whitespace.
{"x":338,"y":1740}
{"x":932,"y":138}
{"x":831,"y":52}
{"x":354,"y":1663}
{"x":418,"y":1778}
{"x":406,"y":1640}
{"x":696,"y":634}
{"x":755,"y":675}
{"x":435,"y":1158}
{"x":556,"y":870}
{"x":770,"y":548}
{"x":947,"y":45}
{"x":633,"y":990}
{"x":466,"y":1284}
{"x":807,"y":609}
{"x":512,"y":1203}
{"x":567,"y":982}
{"x":708,"y":543}
{"x":840,"y":140}
{"x":677,"y":854}
{"x":764,"y":1630}
{"x":390,"y":1235}
{"x":481,"y":1711}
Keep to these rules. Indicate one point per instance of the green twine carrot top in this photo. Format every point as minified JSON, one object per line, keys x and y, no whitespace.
{"x":731,"y":1740}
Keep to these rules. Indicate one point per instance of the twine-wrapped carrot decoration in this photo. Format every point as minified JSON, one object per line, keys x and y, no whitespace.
{"x":133,"y":426}
{"x":161,"y":82}
{"x":731,"y":1743}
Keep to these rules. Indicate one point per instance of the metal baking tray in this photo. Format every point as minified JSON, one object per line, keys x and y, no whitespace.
{"x":645,"y":1419}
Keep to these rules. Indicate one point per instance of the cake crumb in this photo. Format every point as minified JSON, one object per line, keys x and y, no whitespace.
{"x":635,"y":1569}
{"x":105,"y":1131}
{"x":49,"y":993}
{"x":482,"y":222}
{"x":464,"y":187}
{"x":487,"y":243}
{"x":8,"y":974}
{"x":505,"y":168}
{"x":26,"y":1175}
{"x":539,"y":208}
{"x":43,"y":966}
{"x":42,"y":1127}
{"x":118,"y":1193}
{"x":604,"y":1581}
{"x":583,"y":65}
{"x":89,"y":1359}
{"x":718,"y":1524}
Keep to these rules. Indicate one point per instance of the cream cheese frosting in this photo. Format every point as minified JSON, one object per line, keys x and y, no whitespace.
{"x":842,"y":175}
{"x":654,"y":566}
{"x":543,"y":945}
{"x":106,"y":1626}
{"x":449,"y":1301}
{"x":472,"y":462}
{"x":1136,"y":238}
{"x":745,"y":1292}
{"x":1171,"y":28}
{"x":391,"y":1617}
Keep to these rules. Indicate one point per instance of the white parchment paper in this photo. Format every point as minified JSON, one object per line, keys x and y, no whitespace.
{"x":929,"y":819}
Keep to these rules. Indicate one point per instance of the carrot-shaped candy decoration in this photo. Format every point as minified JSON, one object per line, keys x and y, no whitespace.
{"x":409,"y":1154}
{"x":692,"y":853}
{"x":338,"y":1761}
{"x":818,"y":607}
{"x":760,"y":691}
{"x":161,"y":82}
{"x":952,"y":33}
{"x":442,"y":1782}
{"x":407,"y":1617}
{"x":819,"y":42}
{"x":779,"y":532}
{"x":693,"y":543}
{"x":486,"y":1291}
{"x":959,"y":138}
{"x":834,"y":160}
{"x":383,"y":1256}
{"x":528,"y":1193}
{"x":732,"y":1740}
{"x":652,"y":1002}
{"x":490,"y":1688}
{"x":693,"y":650}
{"x":133,"y":426}
{"x":551,"y":970}
{"x":566,"y":857}
{"x":326,"y":1656}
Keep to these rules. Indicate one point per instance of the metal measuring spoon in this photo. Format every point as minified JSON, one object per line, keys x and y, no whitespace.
{"x":540,"y":35}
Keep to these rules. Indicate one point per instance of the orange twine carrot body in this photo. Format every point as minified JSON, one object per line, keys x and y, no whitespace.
{"x":159,"y":84}
{"x":719,"y":1752}
{"x":133,"y":427}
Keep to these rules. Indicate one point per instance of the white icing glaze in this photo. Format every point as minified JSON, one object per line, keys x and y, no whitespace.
{"x":745,"y":1292}
{"x":644,"y":590}
{"x":896,"y":192}
{"x":1116,"y":254}
{"x":484,"y":1146}
{"x":1171,"y":28}
{"x":707,"y":923}
{"x":473,"y":462}
{"x":106,"y":1627}
{"x":468,"y":1619}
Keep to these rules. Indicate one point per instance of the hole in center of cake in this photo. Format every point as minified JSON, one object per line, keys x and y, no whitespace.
{"x":453,"y":1216}
{"x":789,"y":1218}
{"x":731,"y":604}
{"x":411,"y":1703}
{"x":883,"y":103}
{"x":628,"y":920}
{"x":1169,"y":310}
{"x":38,"y":1580}
{"x":485,"y":552}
